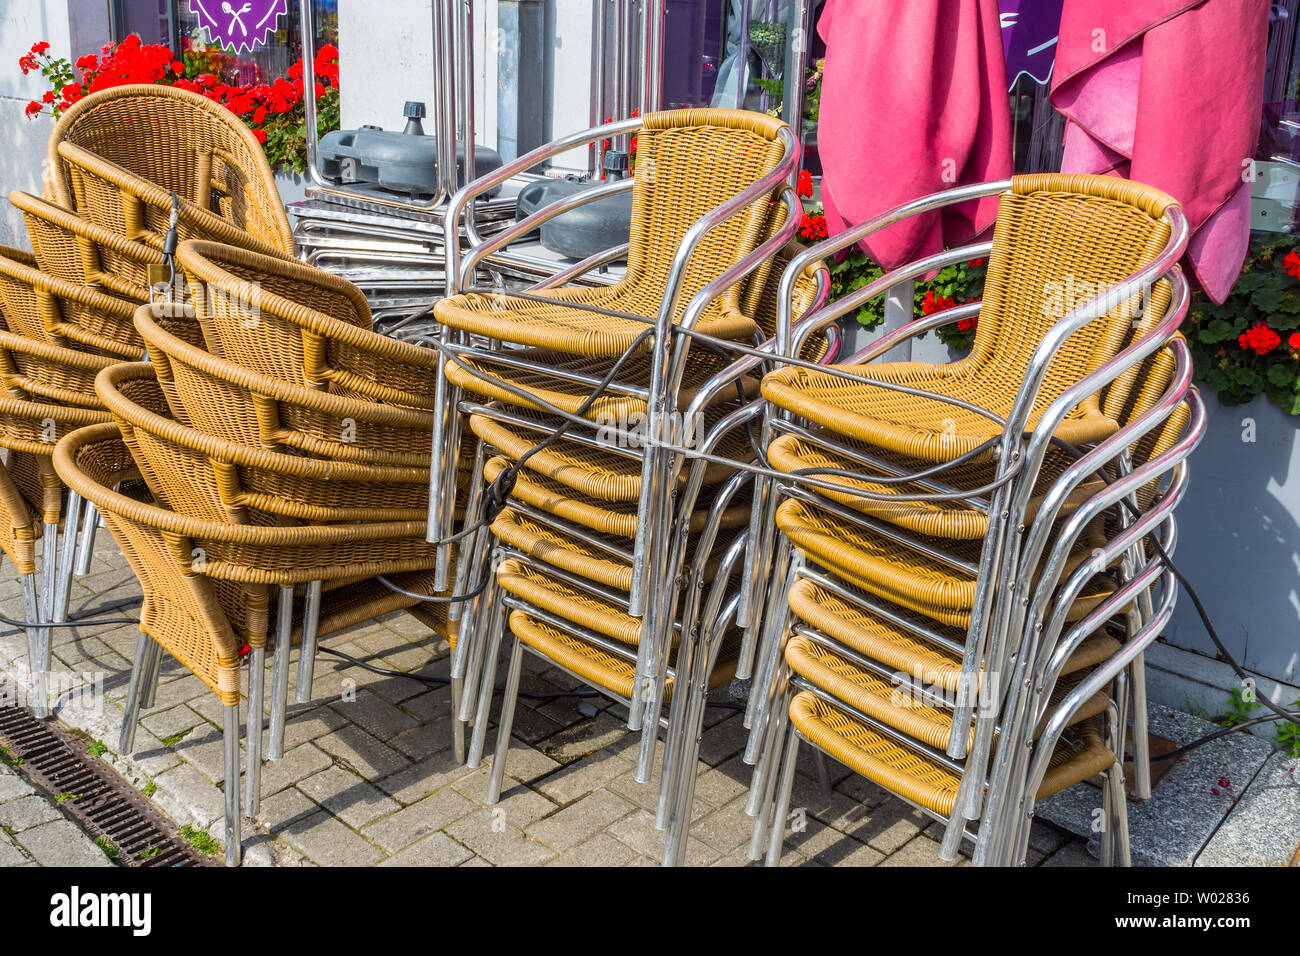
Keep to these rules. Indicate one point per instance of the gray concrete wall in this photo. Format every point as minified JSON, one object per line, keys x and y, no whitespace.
{"x":22,"y":159}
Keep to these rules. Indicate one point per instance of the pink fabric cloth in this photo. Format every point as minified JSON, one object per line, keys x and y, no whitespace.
{"x":914,"y":100}
{"x":1169,"y":93}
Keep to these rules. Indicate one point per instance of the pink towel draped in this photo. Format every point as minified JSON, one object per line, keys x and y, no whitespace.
{"x":914,"y":100}
{"x":1169,"y":93}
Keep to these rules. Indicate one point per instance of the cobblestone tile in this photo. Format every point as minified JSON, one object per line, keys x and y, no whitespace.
{"x":579,"y":821}
{"x":354,"y":801}
{"x":497,"y":842}
{"x":437,"y":849}
{"x":322,"y":839}
{"x":61,"y":843}
{"x":601,"y":850}
{"x":434,"y":812}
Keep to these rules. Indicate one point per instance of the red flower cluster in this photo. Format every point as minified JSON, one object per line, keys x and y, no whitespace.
{"x":253,"y":104}
{"x":976,"y":262}
{"x":1292,"y":264}
{"x":804,"y":187}
{"x":1260,"y":338}
{"x":936,"y":303}
{"x":28,"y":62}
{"x":813,"y":227}
{"x":968,"y":325}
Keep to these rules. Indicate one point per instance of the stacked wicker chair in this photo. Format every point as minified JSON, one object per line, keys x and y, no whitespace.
{"x":923,"y":501}
{"x":604,"y":558}
{"x":58,"y":335}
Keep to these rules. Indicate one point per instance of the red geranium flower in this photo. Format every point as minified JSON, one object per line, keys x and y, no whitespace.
{"x":936,"y":303}
{"x":39,"y":48}
{"x":260,"y":135}
{"x":966,"y":325}
{"x":976,"y":262}
{"x":32,"y":109}
{"x":1292,"y":264}
{"x":1259,"y":338}
{"x":1294,"y":340}
{"x":805,"y":185}
{"x":178,"y":67}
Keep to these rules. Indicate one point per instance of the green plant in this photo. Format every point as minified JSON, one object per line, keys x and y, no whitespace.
{"x":1239,"y":708}
{"x":8,"y":829}
{"x":171,"y":740}
{"x":107,"y":845}
{"x":1250,"y":345}
{"x":201,"y":840}
{"x":7,"y":757}
{"x":149,"y":789}
{"x":149,"y":854}
{"x":1288,"y":734}
{"x":97,"y":748}
{"x":63,"y":797}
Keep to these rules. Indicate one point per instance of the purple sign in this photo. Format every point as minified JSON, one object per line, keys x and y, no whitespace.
{"x":1029,"y":29}
{"x":239,"y":25}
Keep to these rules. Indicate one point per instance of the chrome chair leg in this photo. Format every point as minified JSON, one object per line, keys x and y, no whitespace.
{"x":253,"y":734}
{"x":63,"y":570}
{"x":36,"y":636}
{"x":149,"y":679}
{"x":1141,"y":740}
{"x":230,"y":767}
{"x":789,"y":757}
{"x":457,"y":725}
{"x":307,"y":651}
{"x":823,"y":773}
{"x":487,"y":683}
{"x":131,"y":709}
{"x":280,"y":675}
{"x":86,"y":545}
{"x":506,"y":722}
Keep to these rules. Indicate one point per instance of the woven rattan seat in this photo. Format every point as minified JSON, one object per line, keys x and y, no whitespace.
{"x":116,"y":156}
{"x":1093,"y":231}
{"x":594,"y":472}
{"x":695,"y":159}
{"x":64,"y":313}
{"x":616,"y":518}
{"x":19,"y":527}
{"x":916,"y":777}
{"x":946,"y":519}
{"x":573,"y":604}
{"x":76,"y":250}
{"x":894,"y":647}
{"x":897,"y":573}
{"x":601,"y":667}
{"x":298,"y":323}
{"x":884,"y":701}
{"x":223,"y":399}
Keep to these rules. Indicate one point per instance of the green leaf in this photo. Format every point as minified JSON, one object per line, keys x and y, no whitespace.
{"x":1281,"y":376}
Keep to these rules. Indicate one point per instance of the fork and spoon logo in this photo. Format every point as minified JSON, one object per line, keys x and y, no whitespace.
{"x":239,"y":25}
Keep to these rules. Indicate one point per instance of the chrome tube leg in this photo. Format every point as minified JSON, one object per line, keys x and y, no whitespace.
{"x":131,"y":707}
{"x":487,"y":683}
{"x":767,"y":648}
{"x":823,"y":773}
{"x":230,"y":767}
{"x":457,"y":725}
{"x":1141,"y":740}
{"x":149,"y":679}
{"x":442,"y":570}
{"x":789,"y":757}
{"x":1121,"y":854}
{"x":490,"y":619}
{"x":63,"y":570}
{"x":86,"y":546}
{"x":307,"y":652}
{"x":253,"y":733}
{"x":765,"y":775}
{"x":471,"y":617}
{"x":40,"y":663}
{"x":31,"y":608}
{"x":506,"y":723}
{"x":280,"y":675}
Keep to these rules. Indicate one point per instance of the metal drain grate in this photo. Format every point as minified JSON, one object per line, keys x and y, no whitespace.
{"x":99,"y":799}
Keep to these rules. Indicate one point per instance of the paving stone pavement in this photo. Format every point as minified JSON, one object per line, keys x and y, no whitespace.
{"x":368,"y":775}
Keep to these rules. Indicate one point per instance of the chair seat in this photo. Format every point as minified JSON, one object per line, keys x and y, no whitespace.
{"x":594,"y":472}
{"x":941,"y":519}
{"x":581,"y":607}
{"x":567,"y":553}
{"x":895,"y":647}
{"x":568,"y":395}
{"x":900,"y":574}
{"x":898,"y":707}
{"x":559,"y":326}
{"x":601,"y":667}
{"x":924,"y":428}
{"x":917,"y":778}
{"x":616,"y":518}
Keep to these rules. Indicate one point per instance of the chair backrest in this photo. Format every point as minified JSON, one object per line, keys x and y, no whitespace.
{"x":240,"y":405}
{"x":76,"y":250}
{"x":18,"y":530}
{"x":1061,"y":240}
{"x":63,"y":313}
{"x":303,"y":325}
{"x":206,"y":476}
{"x":44,"y":372}
{"x":688,"y":162}
{"x":173,"y":138}
{"x":814,"y":280}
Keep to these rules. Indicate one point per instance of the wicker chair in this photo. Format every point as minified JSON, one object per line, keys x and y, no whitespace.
{"x":117,"y":156}
{"x":64,"y":313}
{"x":301,"y":324}
{"x":204,"y":584}
{"x":886,"y":560}
{"x":222,"y":399}
{"x":79,"y":251}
